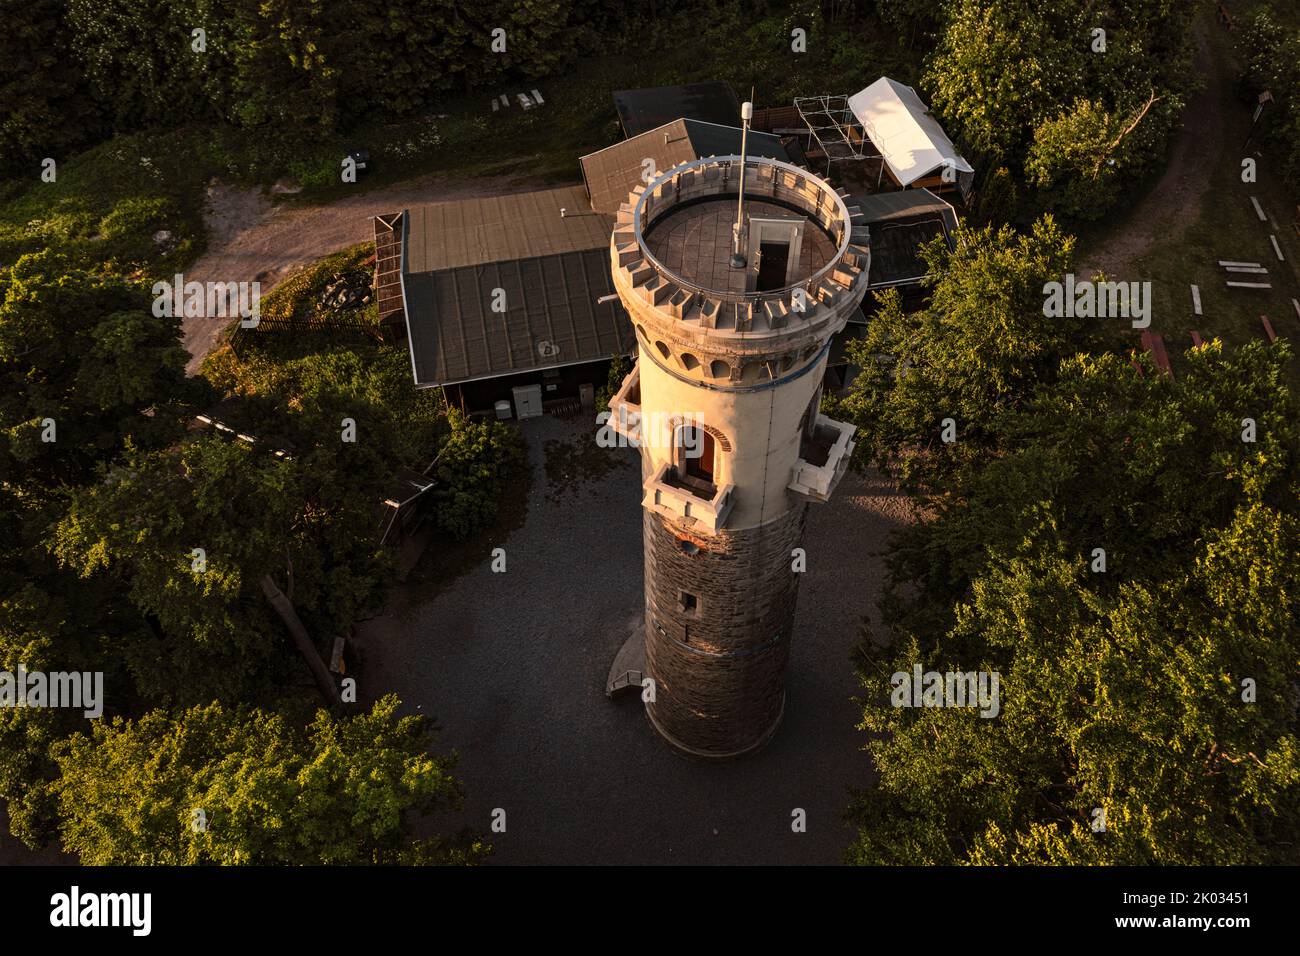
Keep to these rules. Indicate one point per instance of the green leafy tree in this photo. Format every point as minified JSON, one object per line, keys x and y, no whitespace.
{"x":214,"y":627}
{"x":285,"y":83}
{"x":472,"y":467}
{"x":1001,"y":66}
{"x":43,"y":107}
{"x":1129,"y":706}
{"x":998,"y":200}
{"x":244,"y":787}
{"x":1155,"y":693}
{"x":1083,"y":157}
{"x":619,"y":367}
{"x":982,"y":343}
{"x":1051,"y":87}
{"x":47,"y":624}
{"x":85,"y":353}
{"x":86,"y":369}
{"x":296,"y":400}
{"x":139,"y":58}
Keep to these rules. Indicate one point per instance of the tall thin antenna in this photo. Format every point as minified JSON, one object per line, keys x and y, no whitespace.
{"x":737,"y":231}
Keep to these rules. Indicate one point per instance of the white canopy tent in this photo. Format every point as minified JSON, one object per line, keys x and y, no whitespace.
{"x":911,"y":142}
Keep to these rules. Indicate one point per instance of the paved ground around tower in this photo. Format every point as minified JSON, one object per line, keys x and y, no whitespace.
{"x":513,"y":667}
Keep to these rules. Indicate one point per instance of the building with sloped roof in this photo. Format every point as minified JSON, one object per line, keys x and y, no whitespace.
{"x":613,"y":172}
{"x":515,"y":286}
{"x":900,"y":223}
{"x":914,"y":149}
{"x":641,"y":110}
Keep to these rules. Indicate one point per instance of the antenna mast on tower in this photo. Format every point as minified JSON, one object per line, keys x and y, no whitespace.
{"x":738,"y":230}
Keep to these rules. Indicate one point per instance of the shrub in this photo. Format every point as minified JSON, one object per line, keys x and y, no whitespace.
{"x":619,"y":367}
{"x":471,"y":471}
{"x":316,"y":173}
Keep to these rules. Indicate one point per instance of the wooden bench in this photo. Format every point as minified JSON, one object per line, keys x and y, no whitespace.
{"x":1268,"y":329}
{"x":1197,"y":342}
{"x":1154,"y":343}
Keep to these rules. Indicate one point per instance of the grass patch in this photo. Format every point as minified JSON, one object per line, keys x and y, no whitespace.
{"x":106,"y":205}
{"x":298,"y":297}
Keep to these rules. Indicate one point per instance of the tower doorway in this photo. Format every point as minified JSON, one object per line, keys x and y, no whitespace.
{"x":775,"y":244}
{"x":698,"y":454}
{"x":773,"y":261}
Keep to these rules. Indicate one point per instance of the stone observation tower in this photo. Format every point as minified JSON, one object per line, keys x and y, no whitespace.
{"x":734,"y":302}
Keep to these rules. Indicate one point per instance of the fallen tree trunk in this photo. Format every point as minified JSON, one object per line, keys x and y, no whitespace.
{"x":1101,"y":161}
{"x":284,"y":607}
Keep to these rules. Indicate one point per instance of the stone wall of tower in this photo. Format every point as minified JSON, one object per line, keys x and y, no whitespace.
{"x":720,"y":672}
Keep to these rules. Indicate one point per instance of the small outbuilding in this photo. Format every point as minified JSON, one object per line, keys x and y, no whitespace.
{"x":504,"y":293}
{"x":642,"y":110}
{"x":899,"y":223}
{"x":914,"y":149}
{"x":613,"y":172}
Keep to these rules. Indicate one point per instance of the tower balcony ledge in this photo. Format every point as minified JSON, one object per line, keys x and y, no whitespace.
{"x":823,"y":459}
{"x":702,"y":509}
{"x":625,"y":408}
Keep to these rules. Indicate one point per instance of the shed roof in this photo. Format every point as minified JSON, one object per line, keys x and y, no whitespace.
{"x":468,"y":232}
{"x":552,"y":272}
{"x":900,"y":222}
{"x":613,"y":172}
{"x":904,"y":204}
{"x":911,"y":141}
{"x":646,"y":109}
{"x":404,"y":486}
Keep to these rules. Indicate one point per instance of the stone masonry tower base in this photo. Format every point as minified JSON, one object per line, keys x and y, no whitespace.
{"x":720,"y":676}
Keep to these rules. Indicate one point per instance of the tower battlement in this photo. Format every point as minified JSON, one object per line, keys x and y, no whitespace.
{"x":669,"y":258}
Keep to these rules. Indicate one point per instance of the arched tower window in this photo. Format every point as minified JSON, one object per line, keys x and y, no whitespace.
{"x":697,"y":454}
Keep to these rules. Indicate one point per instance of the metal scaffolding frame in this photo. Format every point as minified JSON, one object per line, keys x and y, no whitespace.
{"x":834,"y":128}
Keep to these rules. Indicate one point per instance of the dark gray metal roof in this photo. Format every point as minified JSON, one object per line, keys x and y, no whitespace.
{"x":468,"y":232}
{"x":613,"y":172}
{"x":552,"y":317}
{"x":551,"y":269}
{"x":646,"y":109}
{"x":900,"y":223}
{"x":904,"y":204}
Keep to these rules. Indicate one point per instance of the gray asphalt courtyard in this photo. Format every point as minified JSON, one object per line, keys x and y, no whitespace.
{"x":513,"y":667}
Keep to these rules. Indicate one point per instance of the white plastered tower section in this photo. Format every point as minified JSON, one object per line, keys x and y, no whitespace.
{"x":723,"y":404}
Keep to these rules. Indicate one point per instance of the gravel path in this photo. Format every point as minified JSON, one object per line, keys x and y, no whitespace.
{"x":513,"y":666}
{"x":252,"y":239}
{"x":1175,"y":201}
